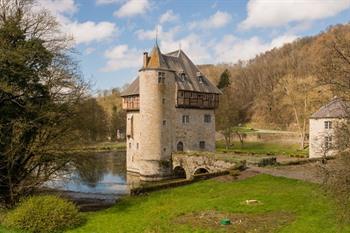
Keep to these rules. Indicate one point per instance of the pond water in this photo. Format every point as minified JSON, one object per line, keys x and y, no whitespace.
{"x":95,"y":174}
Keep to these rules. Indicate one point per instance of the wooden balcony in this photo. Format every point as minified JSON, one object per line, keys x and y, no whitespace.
{"x":131,"y":103}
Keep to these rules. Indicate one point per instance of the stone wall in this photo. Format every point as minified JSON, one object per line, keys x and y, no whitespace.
{"x":133,"y":147}
{"x":195,"y":130}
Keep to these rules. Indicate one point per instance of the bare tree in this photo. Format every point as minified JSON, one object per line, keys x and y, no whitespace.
{"x":334,"y":71}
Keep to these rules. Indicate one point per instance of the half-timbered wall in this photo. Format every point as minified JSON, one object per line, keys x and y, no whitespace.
{"x":190,"y":99}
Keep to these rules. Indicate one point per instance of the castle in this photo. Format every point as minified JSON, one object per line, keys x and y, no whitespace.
{"x":170,"y":108}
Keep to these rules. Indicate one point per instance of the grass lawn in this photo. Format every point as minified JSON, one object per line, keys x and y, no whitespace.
{"x":284,"y":205}
{"x":263,"y":148}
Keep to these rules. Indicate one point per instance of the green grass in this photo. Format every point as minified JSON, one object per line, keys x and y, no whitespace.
{"x":159,"y":211}
{"x":265,"y":148}
{"x":244,"y":129}
{"x":100,"y":147}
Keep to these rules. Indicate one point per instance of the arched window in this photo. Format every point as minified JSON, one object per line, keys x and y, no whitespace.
{"x":180,"y":146}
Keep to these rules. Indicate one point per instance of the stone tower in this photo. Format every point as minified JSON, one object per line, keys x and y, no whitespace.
{"x":157,"y":86}
{"x":170,"y":107}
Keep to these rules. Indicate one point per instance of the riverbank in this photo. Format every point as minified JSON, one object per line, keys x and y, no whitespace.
{"x":100,"y":147}
{"x":198,"y":207}
{"x":279,"y":205}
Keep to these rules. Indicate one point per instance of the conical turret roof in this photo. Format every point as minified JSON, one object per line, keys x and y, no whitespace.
{"x":156,"y":59}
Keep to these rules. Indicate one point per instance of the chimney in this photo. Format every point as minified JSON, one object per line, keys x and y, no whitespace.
{"x":145,"y":59}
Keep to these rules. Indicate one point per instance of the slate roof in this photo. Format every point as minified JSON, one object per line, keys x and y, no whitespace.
{"x":178,"y":62}
{"x":337,"y":108}
{"x":132,"y":89}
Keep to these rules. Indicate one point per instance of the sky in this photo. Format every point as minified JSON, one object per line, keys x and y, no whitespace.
{"x":110,"y":36}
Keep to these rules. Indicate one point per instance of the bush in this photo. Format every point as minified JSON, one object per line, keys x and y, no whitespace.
{"x":43,"y":214}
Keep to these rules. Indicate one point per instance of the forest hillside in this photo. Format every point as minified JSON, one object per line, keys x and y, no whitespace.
{"x":281,"y":88}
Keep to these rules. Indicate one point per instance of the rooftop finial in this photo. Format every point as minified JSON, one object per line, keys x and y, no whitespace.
{"x":180,"y":46}
{"x":157,"y":35}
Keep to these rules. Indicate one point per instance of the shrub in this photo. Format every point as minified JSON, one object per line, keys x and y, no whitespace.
{"x":43,"y":214}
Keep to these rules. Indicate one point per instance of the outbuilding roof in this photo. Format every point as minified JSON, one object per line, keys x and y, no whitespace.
{"x":336,"y":108}
{"x":188,"y":76}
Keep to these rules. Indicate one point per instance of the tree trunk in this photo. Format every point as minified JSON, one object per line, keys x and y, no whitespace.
{"x":240,"y":138}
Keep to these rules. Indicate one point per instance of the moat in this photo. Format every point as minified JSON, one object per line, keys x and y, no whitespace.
{"x":98,"y":176}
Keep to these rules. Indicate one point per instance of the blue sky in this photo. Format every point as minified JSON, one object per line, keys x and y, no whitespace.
{"x":111,"y":35}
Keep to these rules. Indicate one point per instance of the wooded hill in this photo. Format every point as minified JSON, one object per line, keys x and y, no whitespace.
{"x":282,"y":87}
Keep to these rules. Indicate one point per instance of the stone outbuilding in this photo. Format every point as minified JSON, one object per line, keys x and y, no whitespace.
{"x":170,"y":108}
{"x":322,"y":127}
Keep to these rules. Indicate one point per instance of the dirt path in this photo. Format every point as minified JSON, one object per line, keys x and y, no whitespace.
{"x":307,"y":172}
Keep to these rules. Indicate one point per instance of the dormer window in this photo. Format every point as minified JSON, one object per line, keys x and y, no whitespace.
{"x":182,"y":76}
{"x":161,"y":77}
{"x":200,"y":78}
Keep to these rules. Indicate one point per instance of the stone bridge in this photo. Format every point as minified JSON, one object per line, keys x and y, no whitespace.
{"x":186,"y":166}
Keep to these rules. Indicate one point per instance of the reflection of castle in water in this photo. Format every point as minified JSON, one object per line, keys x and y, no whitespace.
{"x":106,"y":168}
{"x":94,"y":173}
{"x":96,"y":168}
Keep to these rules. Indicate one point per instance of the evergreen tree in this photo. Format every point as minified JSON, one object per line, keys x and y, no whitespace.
{"x":224,"y":80}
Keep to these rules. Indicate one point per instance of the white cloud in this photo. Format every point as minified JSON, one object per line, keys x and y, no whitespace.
{"x":132,"y":8}
{"x":162,"y":35}
{"x":281,"y":40}
{"x":122,"y":57}
{"x":89,"y":31}
{"x":58,"y":6}
{"x":146,"y":34}
{"x":217,"y":20}
{"x":168,"y":16}
{"x":267,"y":13}
{"x":192,"y":45}
{"x":104,"y":2}
{"x":89,"y":50}
{"x":82,"y":32}
{"x":231,"y":49}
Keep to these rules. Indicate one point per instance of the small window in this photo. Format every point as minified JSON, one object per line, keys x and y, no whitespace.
{"x":327,"y":124}
{"x":163,"y":100}
{"x":185,"y":119}
{"x":164,"y":122}
{"x":207,"y":118}
{"x":129,"y":145}
{"x":328,"y":142}
{"x":161,"y":77}
{"x":137,"y":145}
{"x":164,"y":149}
{"x":202,"y":144}
{"x":180,"y":146}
